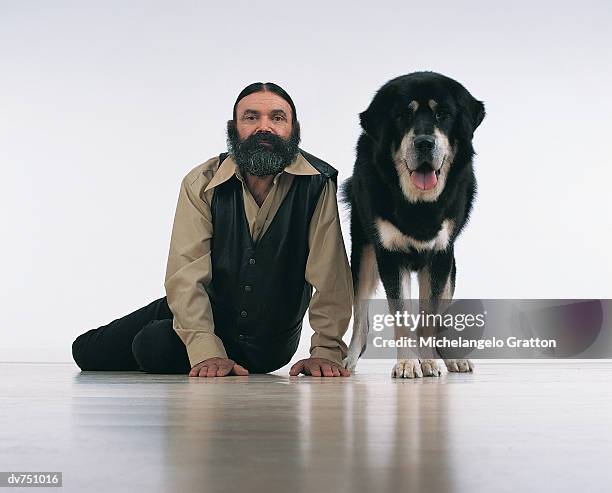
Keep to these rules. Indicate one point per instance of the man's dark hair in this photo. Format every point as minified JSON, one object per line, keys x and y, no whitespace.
{"x":267,"y":86}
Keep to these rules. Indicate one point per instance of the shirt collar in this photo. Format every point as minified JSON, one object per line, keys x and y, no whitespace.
{"x":229,"y":168}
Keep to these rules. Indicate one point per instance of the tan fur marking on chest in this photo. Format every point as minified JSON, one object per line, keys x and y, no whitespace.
{"x":393,"y":239}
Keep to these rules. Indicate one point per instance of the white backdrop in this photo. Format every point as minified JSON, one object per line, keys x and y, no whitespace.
{"x":106,"y":105}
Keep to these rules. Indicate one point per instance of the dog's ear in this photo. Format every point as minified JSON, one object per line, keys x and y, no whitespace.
{"x":373,"y":118}
{"x":477,"y":111}
{"x":370,"y":122}
{"x":473,"y":111}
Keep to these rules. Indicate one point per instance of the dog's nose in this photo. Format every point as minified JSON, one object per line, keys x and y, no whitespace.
{"x":423,"y":143}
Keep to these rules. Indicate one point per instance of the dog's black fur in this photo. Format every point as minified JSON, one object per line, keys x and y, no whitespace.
{"x":374,"y":191}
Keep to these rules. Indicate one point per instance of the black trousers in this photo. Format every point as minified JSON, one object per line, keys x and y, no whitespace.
{"x":142,"y":340}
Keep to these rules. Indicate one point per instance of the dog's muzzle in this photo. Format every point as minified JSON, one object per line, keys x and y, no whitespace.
{"x":424,"y":177}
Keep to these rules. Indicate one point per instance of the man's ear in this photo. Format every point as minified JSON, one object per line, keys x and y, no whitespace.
{"x":232,"y":131}
{"x":296,"y":131}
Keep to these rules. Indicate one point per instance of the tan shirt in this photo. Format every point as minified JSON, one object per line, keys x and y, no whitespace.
{"x":189,"y":267}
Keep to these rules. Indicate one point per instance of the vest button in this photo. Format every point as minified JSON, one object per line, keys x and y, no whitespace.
{"x":243,"y":313}
{"x":248,"y":288}
{"x":251,"y":261}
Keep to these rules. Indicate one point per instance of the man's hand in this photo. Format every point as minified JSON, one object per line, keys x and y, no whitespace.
{"x":217,"y":367}
{"x":318,"y":367}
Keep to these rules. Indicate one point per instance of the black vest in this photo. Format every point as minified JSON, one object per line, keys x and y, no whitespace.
{"x":258,"y":292}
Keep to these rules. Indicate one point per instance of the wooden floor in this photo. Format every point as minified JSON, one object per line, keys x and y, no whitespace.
{"x":507,"y":427}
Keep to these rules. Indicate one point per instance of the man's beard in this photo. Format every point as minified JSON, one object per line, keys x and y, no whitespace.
{"x":254,"y":157}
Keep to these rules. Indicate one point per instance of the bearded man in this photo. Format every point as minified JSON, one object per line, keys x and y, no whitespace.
{"x":255,"y":230}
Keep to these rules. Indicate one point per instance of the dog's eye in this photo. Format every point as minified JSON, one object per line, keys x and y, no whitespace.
{"x":403,"y":115}
{"x":441,"y":115}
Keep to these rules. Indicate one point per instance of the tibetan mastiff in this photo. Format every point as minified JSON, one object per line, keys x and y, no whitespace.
{"x":410,"y":195}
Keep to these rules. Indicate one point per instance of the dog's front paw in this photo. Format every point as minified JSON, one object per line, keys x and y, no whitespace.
{"x":430,"y":368}
{"x":407,"y":368}
{"x":459,"y":365}
{"x":350,"y":363}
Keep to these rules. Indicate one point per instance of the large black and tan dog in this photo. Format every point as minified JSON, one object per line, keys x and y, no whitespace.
{"x":410,"y":196}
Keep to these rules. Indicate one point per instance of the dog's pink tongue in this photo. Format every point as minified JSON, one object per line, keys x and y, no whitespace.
{"x":424,"y":181}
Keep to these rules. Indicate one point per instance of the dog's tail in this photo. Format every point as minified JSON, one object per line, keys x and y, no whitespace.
{"x":345,"y":195}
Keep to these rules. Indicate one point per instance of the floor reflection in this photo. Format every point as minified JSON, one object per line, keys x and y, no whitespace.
{"x":307,"y":434}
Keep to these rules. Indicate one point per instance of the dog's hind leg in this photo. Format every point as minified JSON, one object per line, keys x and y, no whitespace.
{"x":365,"y":280}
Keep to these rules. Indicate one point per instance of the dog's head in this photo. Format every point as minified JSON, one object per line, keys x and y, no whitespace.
{"x":423,"y":123}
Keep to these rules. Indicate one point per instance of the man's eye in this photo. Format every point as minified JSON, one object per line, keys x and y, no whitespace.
{"x":279,"y":118}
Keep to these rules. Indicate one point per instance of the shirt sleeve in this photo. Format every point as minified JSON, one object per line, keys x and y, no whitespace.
{"x":328,"y":271}
{"x":188,"y":271}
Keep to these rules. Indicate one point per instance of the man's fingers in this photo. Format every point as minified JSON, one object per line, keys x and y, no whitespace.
{"x":310,"y":367}
{"x":327,"y":371}
{"x":318,"y":367}
{"x":239,"y":370}
{"x":218,"y":370}
{"x":217,"y":367}
{"x":297,"y":368}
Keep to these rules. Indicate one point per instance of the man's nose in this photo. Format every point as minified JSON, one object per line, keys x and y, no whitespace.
{"x":424,"y":143}
{"x":265,"y":125}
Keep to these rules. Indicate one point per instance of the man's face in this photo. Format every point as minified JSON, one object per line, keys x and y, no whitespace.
{"x":263,"y":112}
{"x":263,"y":139}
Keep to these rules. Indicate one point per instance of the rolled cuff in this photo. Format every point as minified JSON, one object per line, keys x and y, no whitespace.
{"x":204,"y":346}
{"x":336,"y":354}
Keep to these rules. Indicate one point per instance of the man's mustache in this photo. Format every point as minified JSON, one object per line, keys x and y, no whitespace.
{"x":262,"y":139}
